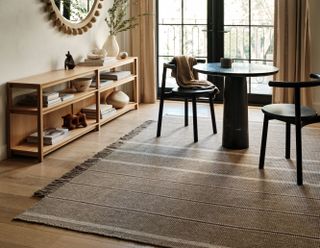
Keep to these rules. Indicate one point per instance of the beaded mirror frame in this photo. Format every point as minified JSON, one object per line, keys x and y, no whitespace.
{"x":68,"y":27}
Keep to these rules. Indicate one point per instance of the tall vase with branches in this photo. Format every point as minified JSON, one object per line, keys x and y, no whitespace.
{"x":118,"y":21}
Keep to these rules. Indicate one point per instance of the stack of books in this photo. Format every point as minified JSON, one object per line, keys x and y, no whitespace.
{"x":50,"y":136}
{"x":105,"y":111}
{"x":114,"y":75}
{"x":103,"y":83}
{"x":66,"y":96}
{"x":98,"y":62}
{"x":48,"y":99}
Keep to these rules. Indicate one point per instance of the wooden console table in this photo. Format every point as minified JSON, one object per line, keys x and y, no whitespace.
{"x":24,"y":120}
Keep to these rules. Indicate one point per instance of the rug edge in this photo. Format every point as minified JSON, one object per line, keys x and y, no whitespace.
{"x":79,"y":169}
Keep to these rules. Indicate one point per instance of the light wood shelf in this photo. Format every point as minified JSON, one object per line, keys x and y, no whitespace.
{"x":72,"y":135}
{"x":45,"y":117}
{"x":119,"y":112}
{"x":118,"y":83}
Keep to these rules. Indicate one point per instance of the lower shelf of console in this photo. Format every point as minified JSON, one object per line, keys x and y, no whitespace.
{"x":28,"y":149}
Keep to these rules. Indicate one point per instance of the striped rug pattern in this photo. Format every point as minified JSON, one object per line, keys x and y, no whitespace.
{"x":171,"y":192}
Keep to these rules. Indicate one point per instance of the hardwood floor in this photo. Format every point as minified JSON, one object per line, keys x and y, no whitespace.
{"x":20,"y":177}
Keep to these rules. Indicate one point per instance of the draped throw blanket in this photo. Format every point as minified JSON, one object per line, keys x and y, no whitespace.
{"x":185,"y":76}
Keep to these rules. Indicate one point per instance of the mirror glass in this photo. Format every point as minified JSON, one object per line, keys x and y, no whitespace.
{"x":74,"y":11}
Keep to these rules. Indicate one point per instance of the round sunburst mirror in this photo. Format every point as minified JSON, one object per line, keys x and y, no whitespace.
{"x":73,"y":16}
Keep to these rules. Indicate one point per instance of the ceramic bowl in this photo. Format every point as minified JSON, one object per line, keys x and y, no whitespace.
{"x":81,"y":84}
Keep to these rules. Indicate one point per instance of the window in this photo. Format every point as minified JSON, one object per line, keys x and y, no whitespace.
{"x":182,"y":28}
{"x":188,"y":26}
{"x":249,"y":36}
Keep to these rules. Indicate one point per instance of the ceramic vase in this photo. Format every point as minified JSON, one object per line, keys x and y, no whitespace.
{"x":118,"y":99}
{"x":111,"y":46}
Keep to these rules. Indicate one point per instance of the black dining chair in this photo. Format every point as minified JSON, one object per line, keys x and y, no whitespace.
{"x":187,"y":94}
{"x":295,"y":114}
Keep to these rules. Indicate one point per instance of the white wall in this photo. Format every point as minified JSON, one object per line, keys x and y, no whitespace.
{"x":29,"y":44}
{"x":315,"y":46}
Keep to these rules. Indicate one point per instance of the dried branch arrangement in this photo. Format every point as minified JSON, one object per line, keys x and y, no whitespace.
{"x":117,"y":19}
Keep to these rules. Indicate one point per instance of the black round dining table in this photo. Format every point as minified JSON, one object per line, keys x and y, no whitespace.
{"x":235,"y":98}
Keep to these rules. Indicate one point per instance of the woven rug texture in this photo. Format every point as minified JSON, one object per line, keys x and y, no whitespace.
{"x":171,"y":192}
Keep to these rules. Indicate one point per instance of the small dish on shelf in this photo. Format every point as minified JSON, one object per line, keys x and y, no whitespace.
{"x":82,"y":84}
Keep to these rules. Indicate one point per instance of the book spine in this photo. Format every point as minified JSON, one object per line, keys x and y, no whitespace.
{"x":50,"y":96}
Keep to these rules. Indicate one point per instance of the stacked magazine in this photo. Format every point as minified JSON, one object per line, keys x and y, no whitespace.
{"x":48,"y":99}
{"x":105,"y":111}
{"x":98,"y":61}
{"x":114,"y":75}
{"x":50,"y":136}
{"x":103,"y":83}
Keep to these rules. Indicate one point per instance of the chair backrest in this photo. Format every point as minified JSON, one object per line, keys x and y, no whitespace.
{"x":171,"y":65}
{"x":297,"y":95}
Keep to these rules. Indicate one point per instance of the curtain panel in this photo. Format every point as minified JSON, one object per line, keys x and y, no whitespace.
{"x":143,"y":45}
{"x":292,"y":48}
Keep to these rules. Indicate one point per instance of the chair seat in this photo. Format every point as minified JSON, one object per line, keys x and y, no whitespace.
{"x":194,"y":91}
{"x":279,"y":111}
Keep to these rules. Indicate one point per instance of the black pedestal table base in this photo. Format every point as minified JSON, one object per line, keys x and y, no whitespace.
{"x":235,"y":125}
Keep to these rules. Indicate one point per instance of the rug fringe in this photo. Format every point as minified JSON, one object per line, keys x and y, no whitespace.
{"x":56,"y":184}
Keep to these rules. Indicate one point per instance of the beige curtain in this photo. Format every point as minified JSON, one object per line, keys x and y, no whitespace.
{"x":292,"y":47}
{"x":142,"y":45}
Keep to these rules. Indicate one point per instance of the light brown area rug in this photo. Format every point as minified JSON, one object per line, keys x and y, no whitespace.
{"x":171,"y":192}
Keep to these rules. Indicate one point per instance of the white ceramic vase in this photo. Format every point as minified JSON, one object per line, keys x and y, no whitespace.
{"x":111,"y":46}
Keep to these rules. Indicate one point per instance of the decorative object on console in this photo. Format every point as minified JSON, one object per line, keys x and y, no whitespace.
{"x":71,"y":121}
{"x":123,"y":55}
{"x":226,"y":63}
{"x":100,"y":52}
{"x":111,"y":46}
{"x":118,"y":99}
{"x":69,"y":62}
{"x":82,"y":84}
{"x":118,"y":22}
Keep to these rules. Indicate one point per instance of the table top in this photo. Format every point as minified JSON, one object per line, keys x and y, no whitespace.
{"x":237,"y":70}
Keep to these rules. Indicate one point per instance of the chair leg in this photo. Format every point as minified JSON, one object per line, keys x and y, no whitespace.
{"x":299,"y":155}
{"x":160,"y":116}
{"x":213,"y":117}
{"x":186,"y":112}
{"x":195,"y":124}
{"x":263,"y":142}
{"x":288,"y":132}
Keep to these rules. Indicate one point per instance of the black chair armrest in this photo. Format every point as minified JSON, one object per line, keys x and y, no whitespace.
{"x":282,"y":84}
{"x":315,"y":75}
{"x":169,"y":65}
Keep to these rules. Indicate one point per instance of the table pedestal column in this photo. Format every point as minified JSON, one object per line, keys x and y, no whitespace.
{"x":235,"y":116}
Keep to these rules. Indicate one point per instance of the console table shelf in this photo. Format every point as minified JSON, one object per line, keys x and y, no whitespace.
{"x":24,"y":120}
